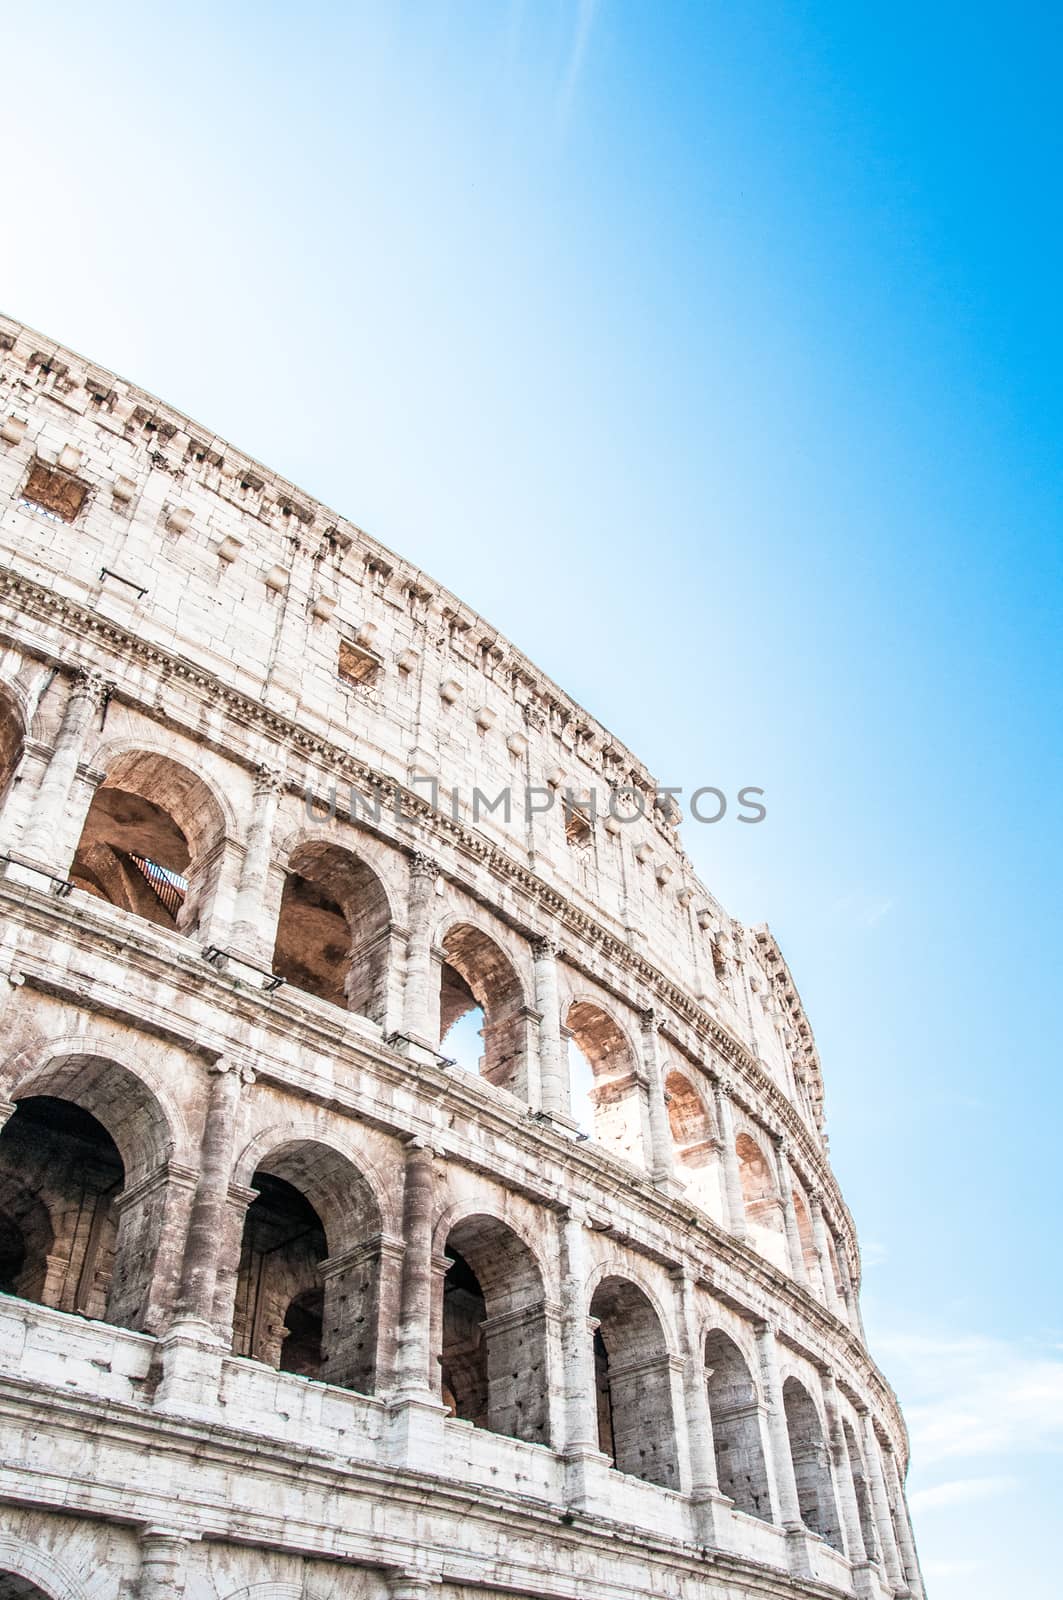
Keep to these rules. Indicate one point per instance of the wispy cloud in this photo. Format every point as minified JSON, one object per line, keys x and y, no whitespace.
{"x":959,"y":1491}
{"x":862,"y":910}
{"x":586,"y":11}
{"x":973,"y":1396}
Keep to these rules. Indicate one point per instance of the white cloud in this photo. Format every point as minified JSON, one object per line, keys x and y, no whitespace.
{"x":959,"y":1491}
{"x":975,"y":1396}
{"x":950,"y":1569}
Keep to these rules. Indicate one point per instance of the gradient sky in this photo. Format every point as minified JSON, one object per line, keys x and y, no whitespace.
{"x":713,"y":352}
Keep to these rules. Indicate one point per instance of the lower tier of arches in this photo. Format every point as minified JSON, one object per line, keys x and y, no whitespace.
{"x":194,"y":1450}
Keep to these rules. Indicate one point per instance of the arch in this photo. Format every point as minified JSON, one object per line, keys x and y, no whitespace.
{"x":308,"y":1282}
{"x":482,"y":1206}
{"x":811,"y":1462}
{"x":119,"y":1098}
{"x":377,"y":1204}
{"x":273,"y":1589}
{"x":37,"y":1570}
{"x":332,"y":1183}
{"x":760,"y":1196}
{"x":477,"y":974}
{"x":152,"y":840}
{"x":334,"y":927}
{"x":694,"y":1142}
{"x":613,"y":1092}
{"x":806,"y":1236}
{"x":833,"y":1265}
{"x":636,"y":1425}
{"x":60,"y":1179}
{"x":734,"y":1410}
{"x":494,"y":1348}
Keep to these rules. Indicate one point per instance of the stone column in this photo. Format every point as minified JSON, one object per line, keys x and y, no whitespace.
{"x":412,"y":1353}
{"x":881,"y":1508}
{"x":782,"y":1458}
{"x":553,"y":1066}
{"x":707,"y":1503}
{"x":249,"y":931}
{"x":586,"y":1467}
{"x":199,"y":1267}
{"x":415,"y":1412}
{"x":413,"y":1585}
{"x":417,"y":999}
{"x":905,"y":1538}
{"x":390,"y":1302}
{"x":789,"y":1211}
{"x":162,"y":1564}
{"x":850,"y":1296}
{"x":826,"y":1266}
{"x":843,"y":1474}
{"x":661,"y":1164}
{"x":732,"y":1180}
{"x":43,"y":837}
{"x":581,"y":1416}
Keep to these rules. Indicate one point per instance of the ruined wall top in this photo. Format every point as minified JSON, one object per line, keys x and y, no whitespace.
{"x":152,"y":528}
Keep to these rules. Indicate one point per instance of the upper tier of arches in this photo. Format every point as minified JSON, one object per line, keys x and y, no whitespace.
{"x":345,"y":918}
{"x":297,"y":617}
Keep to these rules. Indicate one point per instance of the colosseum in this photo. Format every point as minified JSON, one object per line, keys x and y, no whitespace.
{"x":398,"y":1197}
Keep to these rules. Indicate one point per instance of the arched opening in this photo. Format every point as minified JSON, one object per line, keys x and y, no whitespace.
{"x":11,"y":740}
{"x":60,"y":1175}
{"x":834,"y":1267}
{"x":815,"y":1486}
{"x":696,"y":1165}
{"x":762,"y":1204}
{"x":736,"y":1435}
{"x":152,"y":841}
{"x":479,"y":984}
{"x":606,"y":1096}
{"x":493,"y":1360}
{"x":84,"y":1132}
{"x":279,"y":1282}
{"x":307,"y":1287}
{"x":862,"y":1488}
{"x":633,"y":1372}
{"x":334,"y":929}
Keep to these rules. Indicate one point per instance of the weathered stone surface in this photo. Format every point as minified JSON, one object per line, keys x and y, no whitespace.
{"x":294,"y":1307}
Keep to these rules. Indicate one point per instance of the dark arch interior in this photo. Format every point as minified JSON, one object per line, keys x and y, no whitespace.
{"x":333,"y":928}
{"x":133,"y":855}
{"x":60,"y":1175}
{"x":464,"y":1358}
{"x":279,"y":1295}
{"x":15,"y":1587}
{"x":633,"y":1380}
{"x":733,"y":1410}
{"x":493,"y":1358}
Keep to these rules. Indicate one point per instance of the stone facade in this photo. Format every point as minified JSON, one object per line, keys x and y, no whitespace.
{"x":295,"y":1306}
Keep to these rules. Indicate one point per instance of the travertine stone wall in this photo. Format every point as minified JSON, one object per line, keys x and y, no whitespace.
{"x":295,"y":1304}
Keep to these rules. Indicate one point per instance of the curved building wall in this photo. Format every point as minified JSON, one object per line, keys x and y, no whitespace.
{"x":304,"y":1292}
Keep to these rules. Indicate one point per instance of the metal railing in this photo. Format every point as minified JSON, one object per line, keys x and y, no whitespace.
{"x":169,"y":888}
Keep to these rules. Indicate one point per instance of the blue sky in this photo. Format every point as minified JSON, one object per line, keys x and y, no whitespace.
{"x":713,"y":353}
